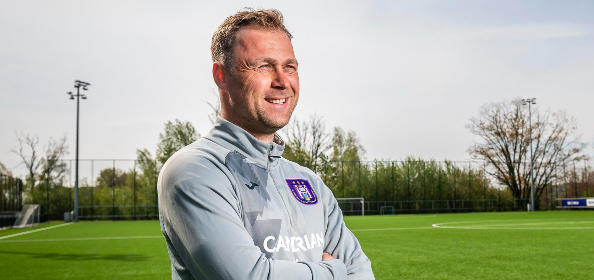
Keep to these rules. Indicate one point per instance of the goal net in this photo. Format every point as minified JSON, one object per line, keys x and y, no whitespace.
{"x":28,"y":217}
{"x":352,"y":206}
{"x":387,"y":210}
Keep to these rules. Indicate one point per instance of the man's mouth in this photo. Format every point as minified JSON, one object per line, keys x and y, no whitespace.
{"x":276,"y":101}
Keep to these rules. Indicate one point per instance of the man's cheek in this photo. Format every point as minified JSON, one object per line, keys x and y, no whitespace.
{"x":295,"y":83}
{"x":251,"y":82}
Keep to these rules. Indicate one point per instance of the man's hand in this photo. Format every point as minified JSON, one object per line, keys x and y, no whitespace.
{"x":327,"y":257}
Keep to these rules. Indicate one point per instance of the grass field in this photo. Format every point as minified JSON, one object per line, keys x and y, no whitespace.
{"x":516,"y":245}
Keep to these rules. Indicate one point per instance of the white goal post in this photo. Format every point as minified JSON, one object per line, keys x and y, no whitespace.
{"x":28,"y":217}
{"x":387,"y":210}
{"x":349,"y":203}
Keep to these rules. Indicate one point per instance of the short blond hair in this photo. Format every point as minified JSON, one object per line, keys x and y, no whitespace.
{"x":223,"y":40}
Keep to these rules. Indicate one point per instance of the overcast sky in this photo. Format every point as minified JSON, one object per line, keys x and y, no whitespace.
{"x":406,"y":76}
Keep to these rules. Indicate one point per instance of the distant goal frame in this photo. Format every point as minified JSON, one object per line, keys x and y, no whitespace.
{"x":383,"y":210}
{"x":354,"y":198}
{"x":28,"y":217}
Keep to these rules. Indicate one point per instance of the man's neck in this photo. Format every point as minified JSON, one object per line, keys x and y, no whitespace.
{"x":264,"y":137}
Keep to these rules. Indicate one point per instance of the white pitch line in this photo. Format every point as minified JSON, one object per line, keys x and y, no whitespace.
{"x":441,"y":225}
{"x":453,"y":225}
{"x":83,"y":239}
{"x":519,"y":228}
{"x":378,"y":229}
{"x":535,"y":224}
{"x":390,"y":217}
{"x":506,"y":213}
{"x":32,"y":231}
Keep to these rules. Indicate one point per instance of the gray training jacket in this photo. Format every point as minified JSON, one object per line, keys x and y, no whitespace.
{"x":232,"y":208}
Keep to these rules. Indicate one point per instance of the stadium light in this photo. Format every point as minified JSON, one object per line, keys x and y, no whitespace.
{"x":77,"y":84}
{"x":530,"y":101}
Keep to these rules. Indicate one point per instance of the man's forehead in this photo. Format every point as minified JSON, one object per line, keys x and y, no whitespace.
{"x":253,"y":40}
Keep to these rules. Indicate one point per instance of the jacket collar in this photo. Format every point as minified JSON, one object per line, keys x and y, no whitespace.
{"x":237,"y":139}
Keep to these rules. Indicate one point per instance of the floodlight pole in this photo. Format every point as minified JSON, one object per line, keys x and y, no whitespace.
{"x":77,"y":84}
{"x":531,"y":101}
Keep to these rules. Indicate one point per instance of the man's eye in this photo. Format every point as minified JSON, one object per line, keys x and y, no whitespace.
{"x":265,"y":66}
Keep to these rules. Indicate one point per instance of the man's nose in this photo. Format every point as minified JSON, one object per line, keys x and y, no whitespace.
{"x":281,"y":80}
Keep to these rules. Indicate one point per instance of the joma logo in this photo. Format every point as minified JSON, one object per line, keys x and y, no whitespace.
{"x":252,"y":186}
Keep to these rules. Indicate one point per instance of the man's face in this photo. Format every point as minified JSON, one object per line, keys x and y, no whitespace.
{"x":263,"y":83}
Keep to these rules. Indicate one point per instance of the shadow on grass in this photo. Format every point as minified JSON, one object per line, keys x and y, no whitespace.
{"x":82,"y":257}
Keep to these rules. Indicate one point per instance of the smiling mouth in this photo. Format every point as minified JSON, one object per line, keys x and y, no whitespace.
{"x":276,"y":101}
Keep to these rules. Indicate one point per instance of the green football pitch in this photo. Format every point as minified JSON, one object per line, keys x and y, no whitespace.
{"x":515,"y":245}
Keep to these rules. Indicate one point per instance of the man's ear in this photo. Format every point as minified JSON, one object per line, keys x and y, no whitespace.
{"x":219,"y":75}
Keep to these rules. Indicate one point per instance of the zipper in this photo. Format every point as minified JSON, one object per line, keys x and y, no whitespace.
{"x":276,"y":185}
{"x":282,"y":199}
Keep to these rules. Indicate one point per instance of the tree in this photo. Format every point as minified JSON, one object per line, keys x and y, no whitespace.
{"x":307,"y":141}
{"x":146,"y":179}
{"x":32,"y":161}
{"x":320,"y":139}
{"x":341,"y":169}
{"x":145,"y":161}
{"x":4,"y":170}
{"x":176,"y":136}
{"x":346,"y":146}
{"x":297,"y":135}
{"x":505,"y":146}
{"x":54,"y":151}
{"x":215,"y":107}
{"x":110,"y":177}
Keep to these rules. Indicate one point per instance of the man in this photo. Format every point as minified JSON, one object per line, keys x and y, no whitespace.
{"x":230,"y":206}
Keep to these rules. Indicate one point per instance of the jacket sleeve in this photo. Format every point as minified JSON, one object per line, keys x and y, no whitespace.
{"x":342,"y":243}
{"x":206,"y":239}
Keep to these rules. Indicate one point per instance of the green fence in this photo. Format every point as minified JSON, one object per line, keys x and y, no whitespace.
{"x":11,"y":199}
{"x":127,"y":189}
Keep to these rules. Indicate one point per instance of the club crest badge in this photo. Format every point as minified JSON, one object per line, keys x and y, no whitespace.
{"x":302,"y":191}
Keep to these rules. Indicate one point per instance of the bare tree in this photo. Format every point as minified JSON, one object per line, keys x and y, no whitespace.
{"x":215,"y":106}
{"x":54,"y":151}
{"x":297,"y":136}
{"x":32,"y":160}
{"x":320,"y":139}
{"x":216,"y":111}
{"x":505,"y":146}
{"x":307,"y":140}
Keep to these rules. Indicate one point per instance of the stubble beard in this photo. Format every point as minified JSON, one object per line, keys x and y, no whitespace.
{"x":270,"y":124}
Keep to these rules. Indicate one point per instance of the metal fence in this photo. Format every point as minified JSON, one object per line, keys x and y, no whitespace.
{"x":406,"y":183}
{"x":416,"y":186}
{"x":118,"y":212}
{"x":127,"y":189}
{"x":108,"y":189}
{"x":433,"y":206}
{"x":11,"y":199}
